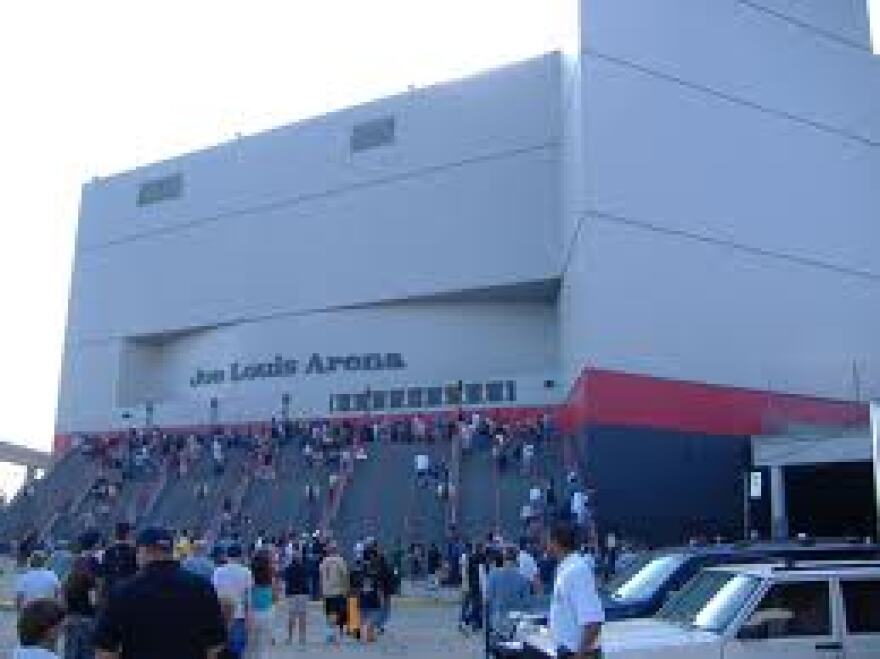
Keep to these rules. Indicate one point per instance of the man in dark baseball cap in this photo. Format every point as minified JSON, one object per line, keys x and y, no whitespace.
{"x":155,"y":539}
{"x":120,"y":559}
{"x":163,"y":611}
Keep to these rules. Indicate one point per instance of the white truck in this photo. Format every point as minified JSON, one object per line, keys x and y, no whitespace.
{"x":794,"y":611}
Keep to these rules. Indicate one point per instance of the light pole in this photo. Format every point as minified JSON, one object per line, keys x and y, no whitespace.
{"x":875,"y":437}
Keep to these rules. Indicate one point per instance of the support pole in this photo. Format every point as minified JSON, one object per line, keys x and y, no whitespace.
{"x":875,"y":436}
{"x":778,"y":505}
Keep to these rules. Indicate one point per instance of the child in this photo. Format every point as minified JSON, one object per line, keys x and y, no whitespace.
{"x":39,"y":627}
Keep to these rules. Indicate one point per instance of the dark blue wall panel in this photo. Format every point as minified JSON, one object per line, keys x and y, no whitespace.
{"x":664,"y":487}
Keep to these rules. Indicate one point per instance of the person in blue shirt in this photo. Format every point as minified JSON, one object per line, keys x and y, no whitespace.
{"x":507,"y":589}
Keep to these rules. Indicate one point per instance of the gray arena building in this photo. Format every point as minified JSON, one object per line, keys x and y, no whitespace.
{"x":667,"y":232}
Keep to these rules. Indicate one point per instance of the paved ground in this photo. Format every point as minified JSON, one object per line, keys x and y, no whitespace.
{"x":423,"y":626}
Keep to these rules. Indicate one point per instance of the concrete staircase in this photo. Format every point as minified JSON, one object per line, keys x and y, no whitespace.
{"x":382,"y":499}
{"x":33,"y":515}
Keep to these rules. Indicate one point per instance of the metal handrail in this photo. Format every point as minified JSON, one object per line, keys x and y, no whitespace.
{"x":156,"y":493}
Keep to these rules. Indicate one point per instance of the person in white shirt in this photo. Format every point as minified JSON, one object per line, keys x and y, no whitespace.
{"x":528,"y":454}
{"x":39,"y":627}
{"x":579,"y":507}
{"x":38,"y":583}
{"x":528,"y":566}
{"x":233,"y":583}
{"x":535,"y":494}
{"x":576,"y":614}
{"x":467,"y":437}
{"x":423,"y":465}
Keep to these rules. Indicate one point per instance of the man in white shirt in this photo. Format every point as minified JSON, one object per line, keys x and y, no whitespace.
{"x":528,"y":566}
{"x":38,"y":583}
{"x":576,"y":613}
{"x":535,"y":494}
{"x":528,"y":453}
{"x":233,"y":583}
{"x":579,"y":507}
{"x":423,"y":464}
{"x":467,"y":437}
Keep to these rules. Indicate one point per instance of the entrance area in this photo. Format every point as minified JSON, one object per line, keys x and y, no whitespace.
{"x":831,"y":500}
{"x":821,"y":484}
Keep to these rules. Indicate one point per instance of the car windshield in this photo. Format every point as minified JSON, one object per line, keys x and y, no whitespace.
{"x":710,"y":601}
{"x":646,"y":581}
{"x":625,"y":573}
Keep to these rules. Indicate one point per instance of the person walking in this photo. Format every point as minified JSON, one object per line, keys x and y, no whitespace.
{"x":334,"y":589}
{"x":370,"y":593}
{"x":199,"y":563}
{"x":61,"y":560}
{"x":80,"y":597}
{"x":434,"y":561}
{"x":296,"y":591}
{"x":506,"y":590}
{"x":37,"y":583}
{"x":314,"y":554}
{"x":387,"y":586}
{"x":163,"y":611}
{"x":528,"y":566}
{"x":576,"y":614}
{"x":233,"y":582}
{"x":263,"y":598}
{"x":120,"y":559}
{"x":472,"y":608}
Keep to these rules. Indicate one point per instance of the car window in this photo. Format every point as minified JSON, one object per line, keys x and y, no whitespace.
{"x":645,"y":582}
{"x":791,"y":610}
{"x":711,"y":600}
{"x":862,"y":602}
{"x":626,"y":573}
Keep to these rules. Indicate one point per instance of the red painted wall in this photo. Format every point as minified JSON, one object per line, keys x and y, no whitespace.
{"x":610,"y":398}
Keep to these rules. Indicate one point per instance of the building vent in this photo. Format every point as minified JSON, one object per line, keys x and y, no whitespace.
{"x":372,"y":134}
{"x":160,"y":189}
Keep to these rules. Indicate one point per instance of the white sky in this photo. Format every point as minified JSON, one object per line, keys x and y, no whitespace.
{"x":96,"y":86}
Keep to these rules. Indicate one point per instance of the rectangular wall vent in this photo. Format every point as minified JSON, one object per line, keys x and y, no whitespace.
{"x":160,"y":189}
{"x":372,"y":134}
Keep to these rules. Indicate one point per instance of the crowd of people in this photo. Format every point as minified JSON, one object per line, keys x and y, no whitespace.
{"x":163,"y":596}
{"x":229,"y":596}
{"x":329,"y":447}
{"x":252,"y":576}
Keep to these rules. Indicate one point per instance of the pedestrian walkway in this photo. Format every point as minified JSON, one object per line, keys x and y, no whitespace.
{"x":423,"y":626}
{"x":422,"y":632}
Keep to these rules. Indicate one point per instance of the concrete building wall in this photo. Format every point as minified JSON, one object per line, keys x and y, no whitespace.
{"x":290,"y":243}
{"x":292,"y":220}
{"x":440,"y":343}
{"x":687,"y":191}
{"x":726,"y":229}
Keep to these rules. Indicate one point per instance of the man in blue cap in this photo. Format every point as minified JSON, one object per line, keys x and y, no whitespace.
{"x":120,"y":558}
{"x":163,"y":611}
